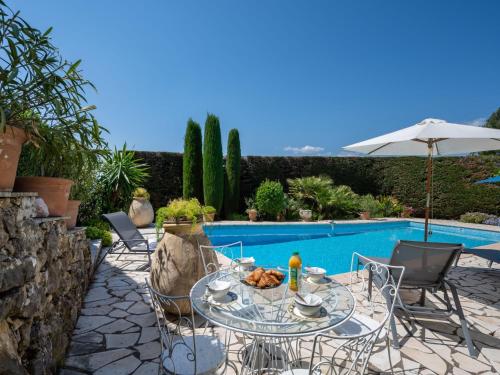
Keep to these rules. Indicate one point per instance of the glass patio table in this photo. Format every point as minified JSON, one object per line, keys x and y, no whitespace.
{"x":268,"y":316}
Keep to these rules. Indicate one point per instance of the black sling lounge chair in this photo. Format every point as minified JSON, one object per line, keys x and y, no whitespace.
{"x":130,"y":237}
{"x":491,"y":255}
{"x":426,"y":266}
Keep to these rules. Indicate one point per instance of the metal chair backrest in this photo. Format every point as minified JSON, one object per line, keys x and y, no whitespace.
{"x":177,"y":331}
{"x":209,"y":255}
{"x":125,"y":229}
{"x":426,"y":263}
{"x":387,"y":281}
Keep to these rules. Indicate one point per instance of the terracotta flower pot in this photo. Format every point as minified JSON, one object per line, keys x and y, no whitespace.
{"x":252,"y":215}
{"x":365,"y":215}
{"x":11,"y":143}
{"x":72,"y":212}
{"x":53,"y":190}
{"x":209,"y":217}
{"x":141,"y":212}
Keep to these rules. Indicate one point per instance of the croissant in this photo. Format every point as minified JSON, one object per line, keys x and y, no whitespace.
{"x":277,"y":274}
{"x":267,"y":280}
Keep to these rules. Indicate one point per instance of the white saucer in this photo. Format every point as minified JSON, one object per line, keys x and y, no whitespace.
{"x":230,"y":297}
{"x":323,"y":281}
{"x":320,"y":314}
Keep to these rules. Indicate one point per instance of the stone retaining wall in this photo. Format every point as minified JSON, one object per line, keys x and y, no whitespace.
{"x":44,"y":273}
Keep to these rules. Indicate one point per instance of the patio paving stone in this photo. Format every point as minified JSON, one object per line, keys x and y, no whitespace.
{"x":116,"y":332}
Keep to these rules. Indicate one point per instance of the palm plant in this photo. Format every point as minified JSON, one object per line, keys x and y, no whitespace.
{"x":312,"y":192}
{"x":121,"y":173}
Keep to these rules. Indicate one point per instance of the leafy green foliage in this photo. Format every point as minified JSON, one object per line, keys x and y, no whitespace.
{"x":37,"y":86}
{"x":232,"y":183}
{"x":180,"y":209}
{"x":389,"y":206}
{"x":494,"y":120}
{"x":343,"y":203}
{"x":312,"y":192}
{"x":213,"y":172}
{"x":140,"y":193}
{"x":270,"y":199}
{"x":474,"y":217}
{"x":121,"y":173}
{"x":95,"y":233}
{"x":208,"y":210}
{"x":368,"y":203}
{"x":192,"y":163}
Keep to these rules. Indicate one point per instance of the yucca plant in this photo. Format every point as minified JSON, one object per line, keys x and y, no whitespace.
{"x":311,"y":192}
{"x":121,"y":172}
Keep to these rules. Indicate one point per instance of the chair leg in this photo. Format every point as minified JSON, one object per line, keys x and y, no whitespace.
{"x":394,"y":332}
{"x":422,"y":297}
{"x":463,"y":322}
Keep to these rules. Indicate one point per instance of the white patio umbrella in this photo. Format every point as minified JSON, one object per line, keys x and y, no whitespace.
{"x":428,"y":138}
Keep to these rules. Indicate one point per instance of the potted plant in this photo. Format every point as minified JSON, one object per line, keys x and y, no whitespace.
{"x":407,"y":211}
{"x":51,"y":167}
{"x":38,"y":87}
{"x":141,"y":211}
{"x":305,"y":215}
{"x":369,"y":207}
{"x":180,"y":216}
{"x":251,"y":209}
{"x":208,"y":213}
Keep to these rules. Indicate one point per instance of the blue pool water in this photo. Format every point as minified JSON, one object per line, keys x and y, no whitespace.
{"x":331,"y":246}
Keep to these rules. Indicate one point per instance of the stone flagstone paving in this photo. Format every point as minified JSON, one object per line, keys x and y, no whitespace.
{"x":116,"y":332}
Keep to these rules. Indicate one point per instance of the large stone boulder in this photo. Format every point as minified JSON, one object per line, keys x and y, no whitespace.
{"x":177,"y":265}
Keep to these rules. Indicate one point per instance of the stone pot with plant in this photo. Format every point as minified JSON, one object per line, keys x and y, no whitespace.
{"x":208,"y":213}
{"x":181,"y":216}
{"x":141,"y":211}
{"x":251,"y":209}
{"x":41,"y":93}
{"x":305,"y":215}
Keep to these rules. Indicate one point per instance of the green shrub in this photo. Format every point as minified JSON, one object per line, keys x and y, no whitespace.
{"x":208,"y":210}
{"x":367,"y":203}
{"x":100,"y":224}
{"x":192,"y":163}
{"x":343,"y":203}
{"x":474,"y":217}
{"x":232,"y":183}
{"x":270,"y":199}
{"x":180,"y":209}
{"x":213,"y":172}
{"x":140,"y":193}
{"x":160,"y":217}
{"x":389,"y":206}
{"x":95,"y":233}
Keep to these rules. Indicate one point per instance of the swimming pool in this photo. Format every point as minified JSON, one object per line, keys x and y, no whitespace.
{"x":331,"y":246}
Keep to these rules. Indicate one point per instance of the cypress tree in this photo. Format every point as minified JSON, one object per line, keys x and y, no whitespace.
{"x":213,"y":171}
{"x":233,"y":161}
{"x":192,"y":163}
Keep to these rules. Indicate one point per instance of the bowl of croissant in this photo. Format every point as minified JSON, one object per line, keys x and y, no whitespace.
{"x":264,"y":279}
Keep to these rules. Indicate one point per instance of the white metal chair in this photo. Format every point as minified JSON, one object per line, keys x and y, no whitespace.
{"x":352,"y":342}
{"x":211,"y":264}
{"x":183,"y":351}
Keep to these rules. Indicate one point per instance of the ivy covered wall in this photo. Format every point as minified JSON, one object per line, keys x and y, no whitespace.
{"x":454,"y":188}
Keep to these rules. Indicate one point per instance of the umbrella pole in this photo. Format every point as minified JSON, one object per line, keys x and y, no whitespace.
{"x":428,"y":189}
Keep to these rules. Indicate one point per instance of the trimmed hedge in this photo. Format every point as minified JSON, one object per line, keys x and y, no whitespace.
{"x":192,"y":163}
{"x":232,"y":181}
{"x":213,"y":168}
{"x":454,"y":190}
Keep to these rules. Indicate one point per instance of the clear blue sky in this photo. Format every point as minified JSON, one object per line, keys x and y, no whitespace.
{"x":285,"y":73}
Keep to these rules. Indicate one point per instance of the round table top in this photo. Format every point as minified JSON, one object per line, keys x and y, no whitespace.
{"x":271,"y":312}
